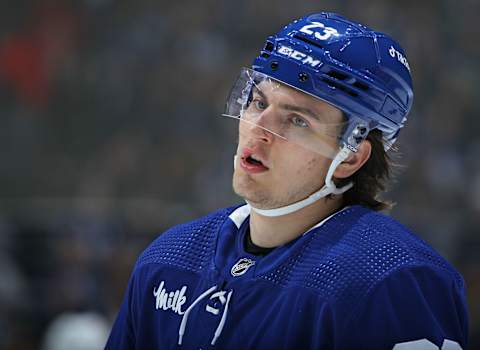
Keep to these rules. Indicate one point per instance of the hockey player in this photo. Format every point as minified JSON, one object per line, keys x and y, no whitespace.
{"x":308,"y":262}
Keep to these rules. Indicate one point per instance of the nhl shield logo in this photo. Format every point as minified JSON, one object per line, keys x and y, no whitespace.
{"x":241,"y":266}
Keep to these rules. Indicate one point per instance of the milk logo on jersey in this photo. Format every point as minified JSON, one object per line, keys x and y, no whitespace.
{"x":402,"y":59}
{"x":241,"y":267}
{"x":173,"y":300}
{"x":297,"y":55}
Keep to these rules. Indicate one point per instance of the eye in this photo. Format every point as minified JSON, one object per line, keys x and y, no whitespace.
{"x":259,"y":104}
{"x":299,"y":121}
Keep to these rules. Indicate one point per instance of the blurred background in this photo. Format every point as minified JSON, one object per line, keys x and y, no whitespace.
{"x":110,"y":133}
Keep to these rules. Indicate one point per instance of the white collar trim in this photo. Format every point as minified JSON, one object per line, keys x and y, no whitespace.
{"x":325,"y":220}
{"x":239,"y":215}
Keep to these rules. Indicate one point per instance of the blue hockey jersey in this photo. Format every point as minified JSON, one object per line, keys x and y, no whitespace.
{"x":357,"y":280}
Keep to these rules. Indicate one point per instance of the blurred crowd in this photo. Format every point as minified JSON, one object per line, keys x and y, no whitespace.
{"x":110,"y":133}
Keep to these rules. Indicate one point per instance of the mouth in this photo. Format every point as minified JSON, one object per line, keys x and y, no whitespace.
{"x":252,"y":163}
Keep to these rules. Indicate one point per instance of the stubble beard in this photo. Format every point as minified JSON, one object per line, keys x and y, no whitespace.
{"x":247,"y":188}
{"x":255,"y":193}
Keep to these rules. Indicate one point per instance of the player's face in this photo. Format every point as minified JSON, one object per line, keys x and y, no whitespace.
{"x":270,"y":170}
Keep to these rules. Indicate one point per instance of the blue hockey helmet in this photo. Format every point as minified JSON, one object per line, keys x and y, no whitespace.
{"x":362,"y":72}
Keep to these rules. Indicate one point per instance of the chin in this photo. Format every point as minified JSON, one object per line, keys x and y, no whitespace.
{"x":248,"y":192}
{"x":241,"y":183}
{"x":254,"y":197}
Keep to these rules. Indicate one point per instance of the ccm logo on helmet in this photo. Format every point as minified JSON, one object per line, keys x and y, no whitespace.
{"x":297,"y":55}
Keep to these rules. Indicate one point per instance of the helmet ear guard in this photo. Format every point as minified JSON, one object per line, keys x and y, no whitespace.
{"x":356,"y":133}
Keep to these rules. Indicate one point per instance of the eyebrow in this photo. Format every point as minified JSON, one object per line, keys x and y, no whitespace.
{"x":303,"y":110}
{"x":289,"y":107}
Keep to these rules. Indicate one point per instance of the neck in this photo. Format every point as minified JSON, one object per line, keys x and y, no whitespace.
{"x":272,"y":232}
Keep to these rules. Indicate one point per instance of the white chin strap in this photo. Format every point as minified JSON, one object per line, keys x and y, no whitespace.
{"x":328,"y":188}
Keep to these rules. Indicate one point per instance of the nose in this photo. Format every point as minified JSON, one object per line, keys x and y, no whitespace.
{"x":262,"y":126}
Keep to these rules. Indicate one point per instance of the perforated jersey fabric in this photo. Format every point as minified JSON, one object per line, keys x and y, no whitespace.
{"x":189,"y":246}
{"x":359,"y":280}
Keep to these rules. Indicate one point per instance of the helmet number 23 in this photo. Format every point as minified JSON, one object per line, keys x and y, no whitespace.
{"x":324,"y":34}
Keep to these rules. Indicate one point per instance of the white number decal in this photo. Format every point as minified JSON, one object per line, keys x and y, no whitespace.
{"x":424,"y":344}
{"x":325,"y":34}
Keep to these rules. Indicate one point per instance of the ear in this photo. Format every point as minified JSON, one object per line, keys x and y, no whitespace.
{"x":354,"y":161}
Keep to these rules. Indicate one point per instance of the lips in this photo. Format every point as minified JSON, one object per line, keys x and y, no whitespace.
{"x":252,"y":162}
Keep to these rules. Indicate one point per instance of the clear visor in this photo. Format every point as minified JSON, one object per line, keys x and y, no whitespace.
{"x":263,"y":104}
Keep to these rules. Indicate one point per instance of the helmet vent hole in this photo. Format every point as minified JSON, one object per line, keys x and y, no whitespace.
{"x":361,"y":86}
{"x":269,"y":46}
{"x":339,"y":86}
{"x":306,"y":40}
{"x":337,"y":75}
{"x":265,"y":55}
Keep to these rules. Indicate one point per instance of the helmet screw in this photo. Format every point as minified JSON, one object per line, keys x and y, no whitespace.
{"x":302,"y":77}
{"x":360,"y":131}
{"x":274,"y":65}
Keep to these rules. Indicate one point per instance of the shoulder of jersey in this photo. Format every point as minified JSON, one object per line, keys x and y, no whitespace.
{"x":187,"y":246}
{"x":352,"y":252}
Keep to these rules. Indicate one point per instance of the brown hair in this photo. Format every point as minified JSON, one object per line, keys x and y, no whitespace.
{"x":371,"y":179}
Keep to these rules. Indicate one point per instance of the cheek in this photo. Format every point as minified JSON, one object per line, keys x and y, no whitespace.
{"x":290,"y":161}
{"x":240,"y":142}
{"x":314,"y":166}
{"x":242,"y":136}
{"x":311,"y":164}
{"x":244,"y":129}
